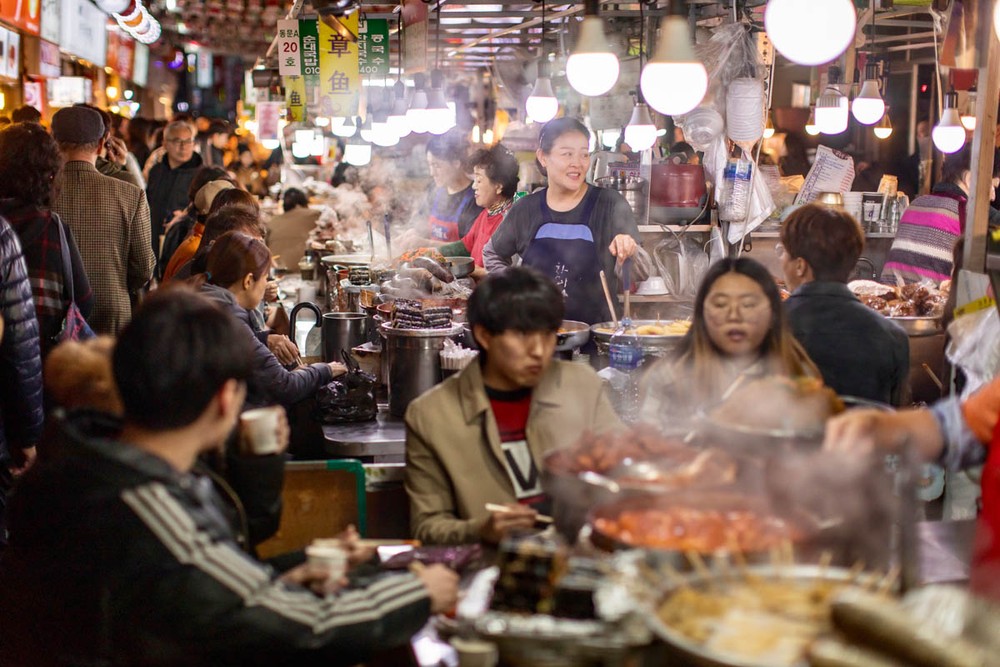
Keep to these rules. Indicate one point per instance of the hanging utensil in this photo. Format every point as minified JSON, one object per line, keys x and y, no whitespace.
{"x":388,"y":241}
{"x":371,"y":239}
{"x":627,"y":286}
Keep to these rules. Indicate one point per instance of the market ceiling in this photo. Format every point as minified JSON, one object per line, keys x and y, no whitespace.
{"x":478,"y":33}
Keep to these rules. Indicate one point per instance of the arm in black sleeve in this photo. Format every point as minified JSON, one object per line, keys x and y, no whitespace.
{"x":257,"y":481}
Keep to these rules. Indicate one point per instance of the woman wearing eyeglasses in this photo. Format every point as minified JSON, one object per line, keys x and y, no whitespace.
{"x":738,"y":333}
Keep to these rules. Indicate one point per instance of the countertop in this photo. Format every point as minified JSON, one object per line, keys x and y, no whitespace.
{"x":379,"y":441}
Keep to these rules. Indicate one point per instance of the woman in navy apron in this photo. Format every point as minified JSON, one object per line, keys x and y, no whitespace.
{"x":570,"y":231}
{"x":451,"y":205}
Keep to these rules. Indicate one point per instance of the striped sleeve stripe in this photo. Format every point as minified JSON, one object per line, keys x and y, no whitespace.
{"x":173,"y":526}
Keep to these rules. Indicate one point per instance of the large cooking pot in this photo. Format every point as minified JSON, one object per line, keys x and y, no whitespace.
{"x":572,"y":335}
{"x":413,"y":357}
{"x":340,"y":331}
{"x":709,"y":519}
{"x":652,"y":346}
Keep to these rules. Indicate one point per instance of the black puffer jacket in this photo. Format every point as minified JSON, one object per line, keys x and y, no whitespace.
{"x":132,"y":562}
{"x":271,"y":384}
{"x":21,"y":413}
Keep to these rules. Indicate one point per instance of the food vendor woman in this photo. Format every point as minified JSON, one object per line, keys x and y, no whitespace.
{"x":956,"y":434}
{"x":570,"y":231}
{"x":451,"y":206}
{"x":495,"y":173}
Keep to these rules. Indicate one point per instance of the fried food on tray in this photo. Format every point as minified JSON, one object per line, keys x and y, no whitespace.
{"x":668,"y":328}
{"x":914,"y":300}
{"x":764,"y":621}
{"x":430,"y":253}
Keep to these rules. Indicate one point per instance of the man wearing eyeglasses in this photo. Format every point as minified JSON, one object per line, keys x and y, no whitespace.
{"x":167,"y":189}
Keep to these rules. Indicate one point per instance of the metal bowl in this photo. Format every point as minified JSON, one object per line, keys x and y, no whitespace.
{"x":657,"y":346}
{"x":346,"y":260}
{"x":694,"y":653}
{"x":919,"y":326}
{"x":572,"y":335}
{"x":460,"y":267}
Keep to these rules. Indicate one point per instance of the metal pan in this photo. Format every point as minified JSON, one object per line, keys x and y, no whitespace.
{"x":916,"y":327}
{"x":461,"y":266}
{"x":357,"y":259}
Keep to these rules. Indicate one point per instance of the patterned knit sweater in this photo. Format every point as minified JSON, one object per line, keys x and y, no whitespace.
{"x":928,"y":230}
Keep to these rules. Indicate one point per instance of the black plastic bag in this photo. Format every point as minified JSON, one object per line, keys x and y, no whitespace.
{"x":348,"y":398}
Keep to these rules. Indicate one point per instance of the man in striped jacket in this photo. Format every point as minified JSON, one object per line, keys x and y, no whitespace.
{"x":120,"y":555}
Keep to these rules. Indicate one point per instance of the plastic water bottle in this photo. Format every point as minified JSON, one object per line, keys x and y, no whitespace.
{"x":735,"y":196}
{"x":626,"y":358}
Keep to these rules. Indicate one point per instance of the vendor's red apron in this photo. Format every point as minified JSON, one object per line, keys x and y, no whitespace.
{"x":443,"y":228}
{"x":985,"y":576}
{"x":567,"y":254}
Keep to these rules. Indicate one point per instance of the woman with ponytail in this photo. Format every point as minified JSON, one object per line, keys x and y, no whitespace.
{"x":236,"y":276}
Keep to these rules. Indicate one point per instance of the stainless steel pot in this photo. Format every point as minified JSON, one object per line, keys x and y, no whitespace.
{"x":652,"y":346}
{"x":413,"y":357}
{"x":340,"y":331}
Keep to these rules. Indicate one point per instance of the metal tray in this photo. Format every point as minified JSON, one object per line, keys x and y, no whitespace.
{"x":696,"y":654}
{"x":919,"y":326}
{"x":358,"y":259}
{"x":651,"y":345}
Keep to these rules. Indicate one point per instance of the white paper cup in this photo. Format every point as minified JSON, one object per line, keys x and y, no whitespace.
{"x":329,"y":555}
{"x":475,"y":652}
{"x":307,"y":292}
{"x":260,"y":430}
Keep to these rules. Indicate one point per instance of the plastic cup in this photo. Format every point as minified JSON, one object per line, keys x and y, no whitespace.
{"x":475,"y":653}
{"x":260,"y":430}
{"x":328,"y":554}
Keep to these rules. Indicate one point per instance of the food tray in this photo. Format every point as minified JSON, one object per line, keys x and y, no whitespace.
{"x":918,"y":326}
{"x":695,"y":653}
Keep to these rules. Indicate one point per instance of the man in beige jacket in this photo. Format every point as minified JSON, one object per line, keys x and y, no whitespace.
{"x":480,"y":436}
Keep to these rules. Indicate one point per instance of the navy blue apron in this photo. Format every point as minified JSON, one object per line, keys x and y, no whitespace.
{"x":444,"y":224}
{"x":567,"y":254}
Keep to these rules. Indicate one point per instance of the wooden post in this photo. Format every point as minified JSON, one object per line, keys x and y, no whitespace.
{"x":977,"y":211}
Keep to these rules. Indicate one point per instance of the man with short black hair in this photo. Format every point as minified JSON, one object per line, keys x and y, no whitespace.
{"x":109,"y":219}
{"x":480,"y":436}
{"x":212,"y":143}
{"x":126,"y":555}
{"x":26,"y":114}
{"x":859,"y":352}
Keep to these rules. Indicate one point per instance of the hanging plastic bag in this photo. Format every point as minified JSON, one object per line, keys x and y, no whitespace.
{"x":975,"y":347}
{"x":348,"y":398}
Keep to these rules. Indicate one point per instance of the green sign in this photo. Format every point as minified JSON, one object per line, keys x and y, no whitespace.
{"x":309,"y":49}
{"x":373,"y":47}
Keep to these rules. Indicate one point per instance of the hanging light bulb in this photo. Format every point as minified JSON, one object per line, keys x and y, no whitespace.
{"x":303,"y":137}
{"x":336,"y":121}
{"x":969,"y":117}
{"x":811,"y":128}
{"x":674,"y":81}
{"x":488,"y":137}
{"x":609,"y":138}
{"x":416,"y":114}
{"x":542,"y":105}
{"x":884,"y":127}
{"x":318,"y":146}
{"x":476,"y":136}
{"x":357,"y":153}
{"x":346,"y":129}
{"x":786,"y":21}
{"x":301,"y":150}
{"x":769,"y":127}
{"x":832,"y":106}
{"x":996,"y":20}
{"x":439,"y":117}
{"x":592,"y":69}
{"x":397,"y":117}
{"x":382,"y":133}
{"x":322,"y":121}
{"x":640,"y":133}
{"x":868,"y":107}
{"x":949,"y":133}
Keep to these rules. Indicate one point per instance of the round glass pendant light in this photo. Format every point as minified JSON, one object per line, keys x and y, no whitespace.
{"x":674,"y":81}
{"x":592,"y":69}
{"x":810,"y":32}
{"x":949,"y":133}
{"x":883,"y":130}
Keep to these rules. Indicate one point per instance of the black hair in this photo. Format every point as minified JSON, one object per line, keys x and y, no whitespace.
{"x":557,"y":128}
{"x":955,"y":165}
{"x":218,"y":126}
{"x":516,"y":299}
{"x":30,"y":164}
{"x":293,"y":198}
{"x":175,"y":354}
{"x":450,"y":146}
{"x":26,"y":114}
{"x":500,"y":166}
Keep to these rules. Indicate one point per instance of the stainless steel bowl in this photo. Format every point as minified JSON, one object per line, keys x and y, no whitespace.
{"x":656,"y":346}
{"x":460,"y":267}
{"x":572,"y":335}
{"x":919,"y":326}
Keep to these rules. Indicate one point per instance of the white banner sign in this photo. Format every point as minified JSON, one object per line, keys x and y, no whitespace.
{"x":289,"y":56}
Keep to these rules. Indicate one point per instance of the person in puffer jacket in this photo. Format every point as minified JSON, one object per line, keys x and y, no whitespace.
{"x":21,"y":413}
{"x":236,"y":276}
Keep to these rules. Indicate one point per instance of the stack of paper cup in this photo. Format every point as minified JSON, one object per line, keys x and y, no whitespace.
{"x":745,"y":110}
{"x":852,"y":205}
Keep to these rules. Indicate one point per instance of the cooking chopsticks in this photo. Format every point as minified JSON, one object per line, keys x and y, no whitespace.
{"x":540,"y":518}
{"x":607,"y":295}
